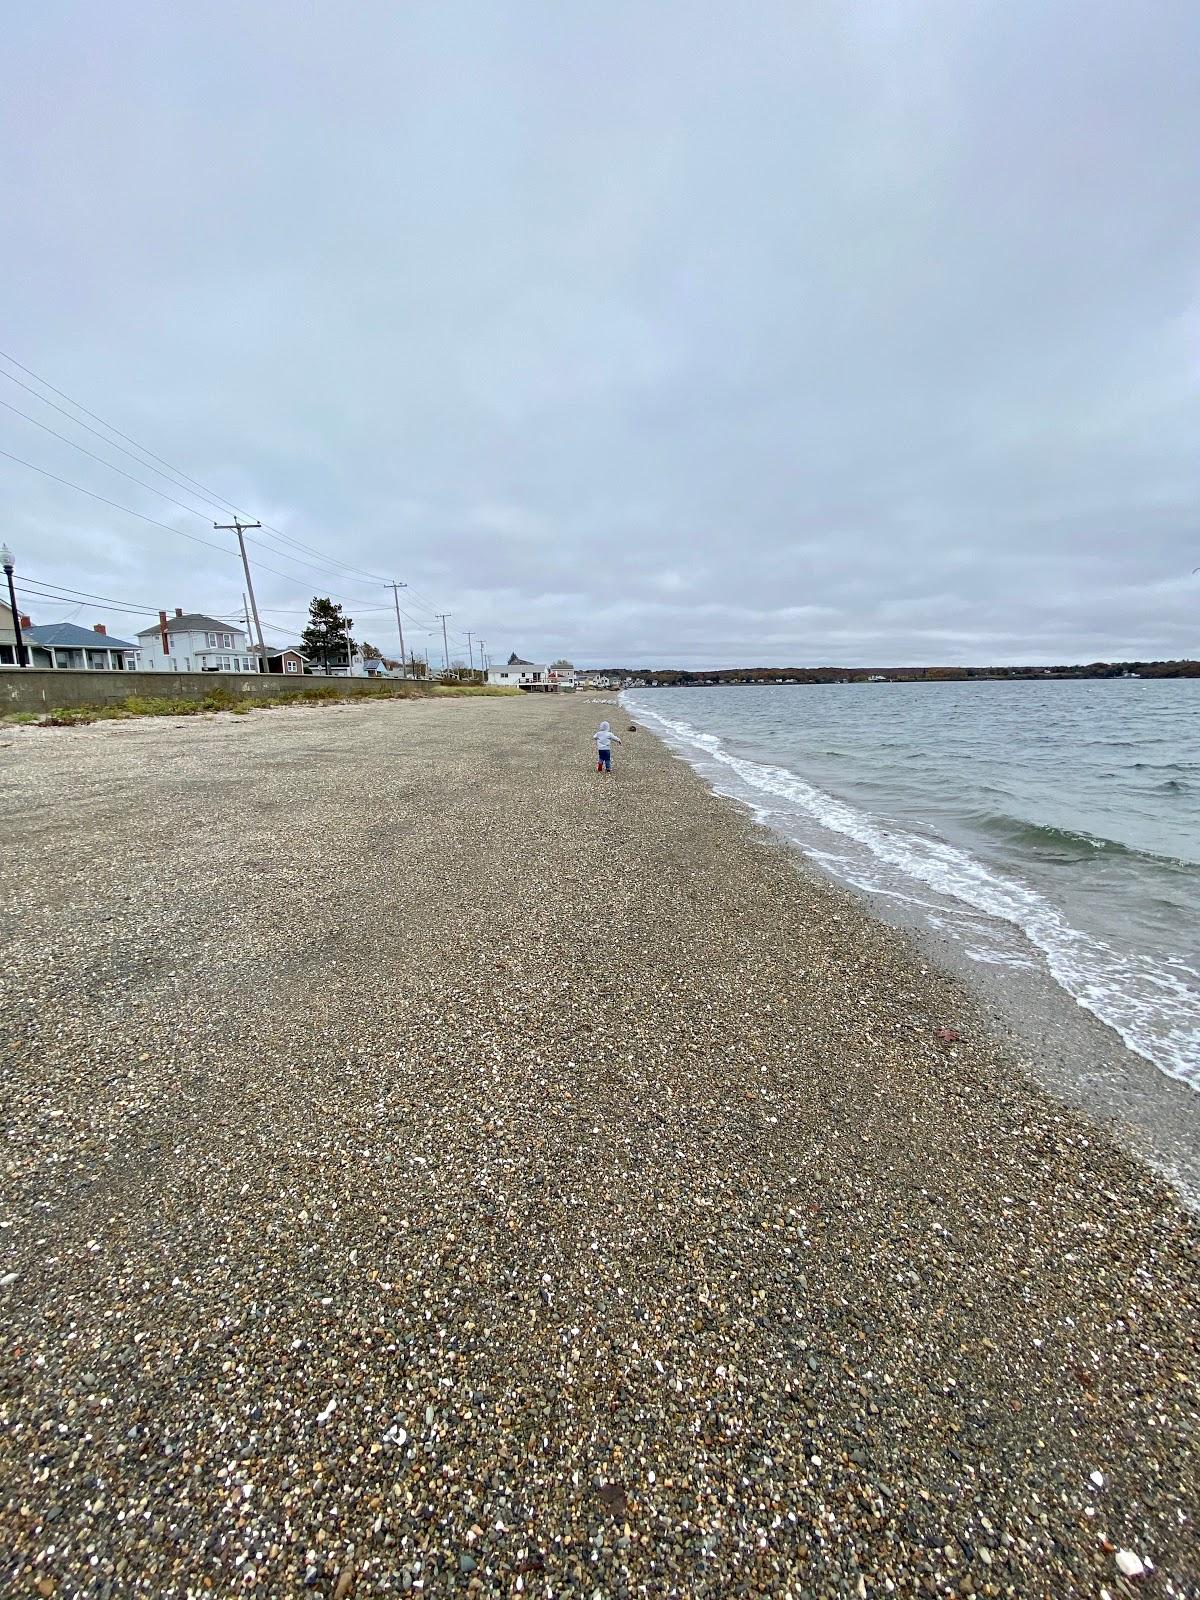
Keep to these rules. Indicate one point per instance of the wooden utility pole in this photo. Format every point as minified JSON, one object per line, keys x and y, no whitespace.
{"x":239,"y":527}
{"x":396,"y":588}
{"x":445,"y":647}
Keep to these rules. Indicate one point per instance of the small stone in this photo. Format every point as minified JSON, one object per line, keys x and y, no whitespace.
{"x":1129,"y":1565}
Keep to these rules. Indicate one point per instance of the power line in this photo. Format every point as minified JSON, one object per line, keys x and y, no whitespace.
{"x":111,"y":465}
{"x":33,"y":595}
{"x":141,"y":482}
{"x":141,"y":515}
{"x":174,"y":474}
{"x":178,"y":479}
{"x":171,"y":478}
{"x":153,"y":521}
{"x":86,"y":595}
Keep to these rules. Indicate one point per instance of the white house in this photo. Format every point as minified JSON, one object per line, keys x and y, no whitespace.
{"x":562,"y":677}
{"x":191,"y":642}
{"x":337,"y":666}
{"x":518,"y":674}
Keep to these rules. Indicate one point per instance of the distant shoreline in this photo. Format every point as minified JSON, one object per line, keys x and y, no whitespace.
{"x":771,"y":677}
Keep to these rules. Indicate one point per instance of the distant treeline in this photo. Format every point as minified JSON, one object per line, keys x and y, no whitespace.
{"x":673,"y":677}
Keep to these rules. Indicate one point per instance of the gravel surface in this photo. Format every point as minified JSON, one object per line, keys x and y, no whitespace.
{"x":430,"y":1167}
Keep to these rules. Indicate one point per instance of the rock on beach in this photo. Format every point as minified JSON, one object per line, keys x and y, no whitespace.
{"x":433,"y":1168}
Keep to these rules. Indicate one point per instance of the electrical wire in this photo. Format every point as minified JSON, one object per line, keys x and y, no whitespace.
{"x":86,"y":595}
{"x":174,"y":474}
{"x":112,"y":443}
{"x":154,"y":522}
{"x":35,"y":595}
{"x":179,"y":479}
{"x":111,"y":465}
{"x":141,"y":515}
{"x":282,"y":555}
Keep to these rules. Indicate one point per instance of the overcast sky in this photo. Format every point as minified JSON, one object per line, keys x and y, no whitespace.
{"x":638,"y":332}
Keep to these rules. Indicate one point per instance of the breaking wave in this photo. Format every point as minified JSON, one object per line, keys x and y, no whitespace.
{"x":1153,"y":1006}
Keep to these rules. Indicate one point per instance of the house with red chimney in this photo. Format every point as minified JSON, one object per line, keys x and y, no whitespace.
{"x":192,"y":642}
{"x":65,"y":646}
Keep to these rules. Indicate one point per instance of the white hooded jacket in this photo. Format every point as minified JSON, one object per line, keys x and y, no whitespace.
{"x":605,"y":738}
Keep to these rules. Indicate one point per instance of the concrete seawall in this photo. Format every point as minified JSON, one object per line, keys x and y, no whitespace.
{"x":40,"y":689}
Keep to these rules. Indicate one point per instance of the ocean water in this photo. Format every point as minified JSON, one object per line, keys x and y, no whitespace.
{"x":1044,"y":824}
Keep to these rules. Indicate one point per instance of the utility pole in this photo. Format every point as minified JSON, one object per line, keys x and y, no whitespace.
{"x":482,"y":661}
{"x":396,"y":588}
{"x":239,"y":527}
{"x":470,"y":652}
{"x":445,"y":647}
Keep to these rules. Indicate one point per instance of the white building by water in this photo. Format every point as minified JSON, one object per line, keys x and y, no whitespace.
{"x":518,"y":674}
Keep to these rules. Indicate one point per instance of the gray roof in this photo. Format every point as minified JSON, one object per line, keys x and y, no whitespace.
{"x":69,"y":636}
{"x":193,"y":622}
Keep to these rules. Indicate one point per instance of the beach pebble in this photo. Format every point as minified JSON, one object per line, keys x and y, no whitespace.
{"x":473,"y":1182}
{"x":1129,"y":1565}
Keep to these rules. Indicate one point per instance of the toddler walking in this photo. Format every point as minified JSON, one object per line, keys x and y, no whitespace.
{"x":604,"y":737}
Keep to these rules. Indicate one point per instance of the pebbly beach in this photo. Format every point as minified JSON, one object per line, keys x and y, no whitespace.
{"x":432,"y":1166}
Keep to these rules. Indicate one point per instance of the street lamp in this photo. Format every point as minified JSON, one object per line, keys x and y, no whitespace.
{"x":6,"y":556}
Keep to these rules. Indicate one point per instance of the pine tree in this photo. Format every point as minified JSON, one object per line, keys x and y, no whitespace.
{"x":328,"y":634}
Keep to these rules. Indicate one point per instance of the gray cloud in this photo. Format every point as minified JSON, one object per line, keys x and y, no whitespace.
{"x":648,"y":334}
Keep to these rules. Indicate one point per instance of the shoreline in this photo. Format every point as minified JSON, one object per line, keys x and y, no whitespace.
{"x":1060,"y":1044}
{"x":538,"y":1181}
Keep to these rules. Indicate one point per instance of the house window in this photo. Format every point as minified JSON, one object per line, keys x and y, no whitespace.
{"x":289,"y":664}
{"x":210,"y":640}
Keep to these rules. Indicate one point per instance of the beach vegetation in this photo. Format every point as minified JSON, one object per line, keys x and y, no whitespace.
{"x":222,"y":699}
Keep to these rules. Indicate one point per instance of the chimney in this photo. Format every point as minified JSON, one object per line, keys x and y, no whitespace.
{"x":26,"y":623}
{"x":178,"y":611}
{"x":99,"y":628}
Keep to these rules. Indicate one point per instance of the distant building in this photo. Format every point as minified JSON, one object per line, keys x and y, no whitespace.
{"x":192,"y":642}
{"x":519,"y":674}
{"x":563,"y":677}
{"x":289,"y":660}
{"x":338,"y":667}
